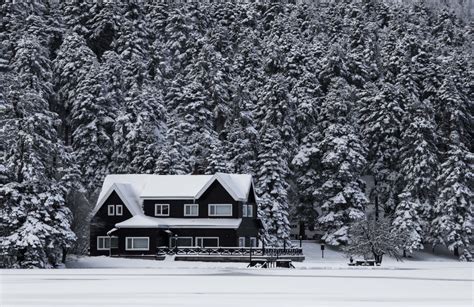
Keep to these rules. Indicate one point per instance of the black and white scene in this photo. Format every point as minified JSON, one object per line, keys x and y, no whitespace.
{"x":271,"y":153}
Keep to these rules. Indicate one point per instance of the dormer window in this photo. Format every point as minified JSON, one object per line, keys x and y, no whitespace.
{"x":162,"y":209}
{"x":191,"y":210}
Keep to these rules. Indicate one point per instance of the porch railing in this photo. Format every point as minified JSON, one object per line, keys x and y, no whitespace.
{"x":230,"y":251}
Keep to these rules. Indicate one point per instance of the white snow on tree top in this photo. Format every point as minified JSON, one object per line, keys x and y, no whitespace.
{"x":142,"y":221}
{"x":132,"y":188}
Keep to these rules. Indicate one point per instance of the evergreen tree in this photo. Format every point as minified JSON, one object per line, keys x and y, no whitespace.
{"x":419,"y":167}
{"x":271,"y":186}
{"x":406,"y":219}
{"x":70,"y":67}
{"x":341,"y":155}
{"x":138,"y":132}
{"x":33,"y":214}
{"x":92,"y":119}
{"x":454,"y":209}
{"x":380,"y":116}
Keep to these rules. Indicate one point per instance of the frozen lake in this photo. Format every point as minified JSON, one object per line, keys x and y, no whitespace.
{"x":429,"y":285}
{"x":100,"y":281}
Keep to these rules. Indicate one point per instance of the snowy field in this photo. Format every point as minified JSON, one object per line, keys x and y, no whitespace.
{"x":425,"y":280}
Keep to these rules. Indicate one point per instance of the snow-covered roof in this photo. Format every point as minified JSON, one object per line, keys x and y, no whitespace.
{"x":132,"y":188}
{"x":143,"y":221}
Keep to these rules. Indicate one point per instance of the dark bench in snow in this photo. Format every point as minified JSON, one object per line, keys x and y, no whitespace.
{"x":363,"y":263}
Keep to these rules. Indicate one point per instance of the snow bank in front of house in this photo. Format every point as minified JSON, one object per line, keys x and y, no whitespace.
{"x":333,"y":259}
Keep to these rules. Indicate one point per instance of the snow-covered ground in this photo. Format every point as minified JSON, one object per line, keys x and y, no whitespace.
{"x":425,"y":280}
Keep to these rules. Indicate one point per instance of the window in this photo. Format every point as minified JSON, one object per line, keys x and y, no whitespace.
{"x":220,"y":209}
{"x":207,"y":241}
{"x":191,"y":210}
{"x":137,"y":244}
{"x":241,"y":241}
{"x":247,"y":210}
{"x":253,"y":242}
{"x":181,"y":241}
{"x":162,"y":209}
{"x":111,"y":209}
{"x":113,"y":242}
{"x":119,"y":210}
{"x":104,"y":243}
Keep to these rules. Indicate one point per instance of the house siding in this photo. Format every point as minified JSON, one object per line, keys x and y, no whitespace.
{"x":101,"y":223}
{"x":215,"y":194}
{"x":151,"y":233}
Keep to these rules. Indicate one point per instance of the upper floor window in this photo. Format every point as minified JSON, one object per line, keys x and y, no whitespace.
{"x":162,"y":209}
{"x":114,"y":210}
{"x":191,"y":210}
{"x":220,"y":209}
{"x":119,"y":210}
{"x":247,"y":210}
{"x":111,"y":209}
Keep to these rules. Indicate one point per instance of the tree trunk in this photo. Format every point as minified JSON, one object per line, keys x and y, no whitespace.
{"x":404,"y":253}
{"x":63,"y":260}
{"x":456,"y":251}
{"x":376,"y":200}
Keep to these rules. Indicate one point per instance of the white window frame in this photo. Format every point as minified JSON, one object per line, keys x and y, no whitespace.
{"x":111,"y":210}
{"x":215,"y":205}
{"x":202,"y":238}
{"x":105,"y":239}
{"x":241,"y":241}
{"x":254,"y":240}
{"x":246,"y":212}
{"x":117,"y":211}
{"x":191,"y":206}
{"x":249,"y":213}
{"x":172,"y":239}
{"x":131,"y":248}
{"x":161,"y":210}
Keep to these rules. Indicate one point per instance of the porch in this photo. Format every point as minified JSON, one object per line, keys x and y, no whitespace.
{"x":220,"y":254}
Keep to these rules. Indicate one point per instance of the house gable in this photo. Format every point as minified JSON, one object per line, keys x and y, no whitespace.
{"x":112,"y":199}
{"x":125,"y":194}
{"x":217,"y":194}
{"x":227,"y":183}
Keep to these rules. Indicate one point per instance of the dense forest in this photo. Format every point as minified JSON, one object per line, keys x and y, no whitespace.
{"x":338,"y":111}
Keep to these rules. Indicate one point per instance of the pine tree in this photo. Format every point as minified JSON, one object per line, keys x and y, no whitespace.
{"x":138,"y":132}
{"x":272,"y":172}
{"x":91,"y":119}
{"x":33,"y":213}
{"x":454,"y":222}
{"x":218,"y":160}
{"x":406,"y":219}
{"x":341,"y":157}
{"x":131,"y":44}
{"x":380,"y":118}
{"x":70,"y":67}
{"x":419,"y":166}
{"x":453,"y":209}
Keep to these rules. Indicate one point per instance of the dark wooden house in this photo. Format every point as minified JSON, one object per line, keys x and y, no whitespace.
{"x":137,"y":214}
